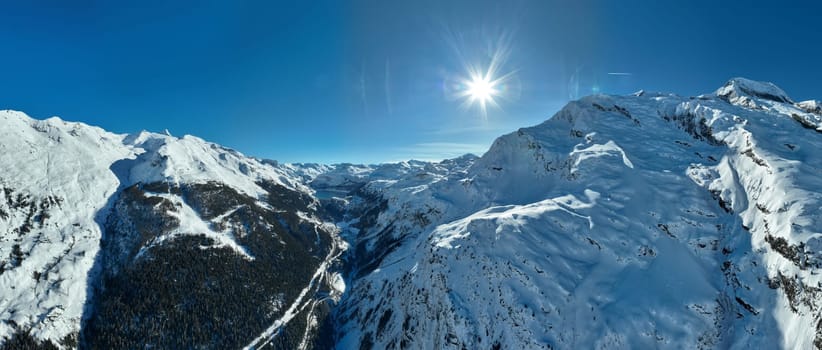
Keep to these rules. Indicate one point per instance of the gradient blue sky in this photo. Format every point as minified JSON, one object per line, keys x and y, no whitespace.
{"x":371,"y":81}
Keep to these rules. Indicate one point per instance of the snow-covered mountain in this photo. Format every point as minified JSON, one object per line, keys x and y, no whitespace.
{"x":642,"y":221}
{"x":149,"y":239}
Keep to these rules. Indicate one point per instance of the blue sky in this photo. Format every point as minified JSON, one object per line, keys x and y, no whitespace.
{"x":372,"y":81}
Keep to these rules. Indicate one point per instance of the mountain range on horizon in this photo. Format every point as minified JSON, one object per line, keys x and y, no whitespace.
{"x":648,"y":220}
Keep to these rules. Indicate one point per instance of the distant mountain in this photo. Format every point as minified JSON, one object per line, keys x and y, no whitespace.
{"x":642,"y":221}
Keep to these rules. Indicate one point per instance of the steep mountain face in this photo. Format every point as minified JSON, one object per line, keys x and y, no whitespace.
{"x":622,"y":222}
{"x":641,"y":221}
{"x":123,"y":241}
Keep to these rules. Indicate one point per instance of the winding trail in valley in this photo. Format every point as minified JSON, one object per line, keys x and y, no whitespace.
{"x":301,"y":303}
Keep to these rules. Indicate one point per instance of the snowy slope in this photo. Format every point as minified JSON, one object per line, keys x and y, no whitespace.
{"x":60,"y":169}
{"x":58,"y":182}
{"x":637,"y":221}
{"x":642,"y":221}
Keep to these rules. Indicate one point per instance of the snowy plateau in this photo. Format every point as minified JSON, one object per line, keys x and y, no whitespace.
{"x":622,"y":222}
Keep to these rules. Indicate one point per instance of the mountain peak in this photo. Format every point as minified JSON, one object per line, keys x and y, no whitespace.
{"x":741,"y":90}
{"x":811,"y":106}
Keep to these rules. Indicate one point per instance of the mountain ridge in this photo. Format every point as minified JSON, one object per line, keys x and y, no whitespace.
{"x":82,"y":207}
{"x":622,"y":153}
{"x":622,"y":221}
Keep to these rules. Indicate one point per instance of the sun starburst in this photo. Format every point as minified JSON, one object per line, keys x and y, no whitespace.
{"x":482,"y":88}
{"x":484,"y":82}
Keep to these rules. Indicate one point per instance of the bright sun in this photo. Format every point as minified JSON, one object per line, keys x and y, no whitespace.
{"x":483,"y":84}
{"x":481,"y":89}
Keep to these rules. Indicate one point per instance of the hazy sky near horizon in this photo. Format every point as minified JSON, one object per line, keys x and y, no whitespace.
{"x":374,"y":81}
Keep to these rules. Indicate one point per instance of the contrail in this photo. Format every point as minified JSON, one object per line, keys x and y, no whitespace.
{"x":620,"y":73}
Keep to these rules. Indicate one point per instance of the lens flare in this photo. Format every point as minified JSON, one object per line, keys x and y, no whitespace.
{"x":482,"y":89}
{"x":483,"y":86}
